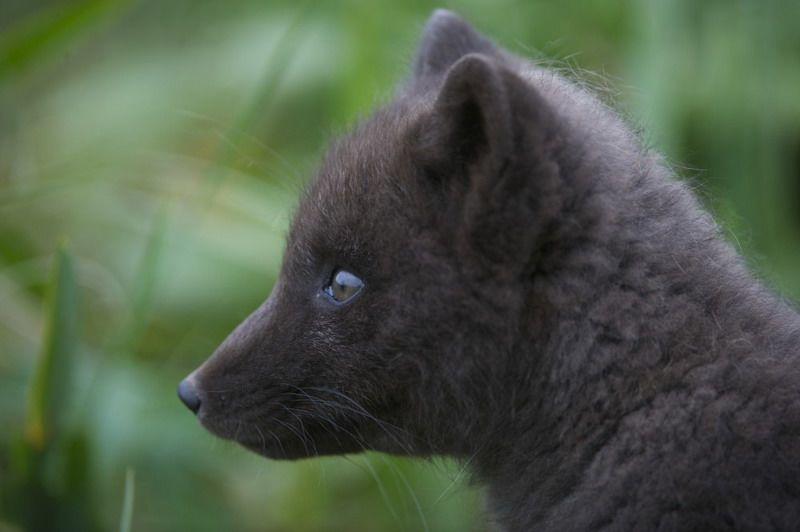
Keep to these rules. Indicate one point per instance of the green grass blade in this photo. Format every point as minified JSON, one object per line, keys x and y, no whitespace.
{"x":127,"y":501}
{"x":47,"y":31}
{"x":51,"y":377}
{"x":144,"y":284}
{"x":277,"y":63}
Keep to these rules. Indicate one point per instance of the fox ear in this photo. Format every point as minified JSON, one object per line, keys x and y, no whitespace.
{"x":489,"y":142}
{"x":472,"y":121}
{"x":446,"y":39}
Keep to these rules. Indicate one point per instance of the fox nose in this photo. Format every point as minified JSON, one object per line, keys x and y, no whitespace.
{"x":188,"y":394}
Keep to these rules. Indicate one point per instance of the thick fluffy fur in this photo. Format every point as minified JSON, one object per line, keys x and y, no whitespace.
{"x":542,"y":299}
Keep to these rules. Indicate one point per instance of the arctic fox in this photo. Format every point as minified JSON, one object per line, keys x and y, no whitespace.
{"x":493,"y":267}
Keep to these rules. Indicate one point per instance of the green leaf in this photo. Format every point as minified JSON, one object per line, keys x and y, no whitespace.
{"x":52,"y":375}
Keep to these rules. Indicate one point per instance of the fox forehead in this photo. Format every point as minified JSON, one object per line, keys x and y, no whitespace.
{"x":369,"y":154}
{"x":363,"y":182}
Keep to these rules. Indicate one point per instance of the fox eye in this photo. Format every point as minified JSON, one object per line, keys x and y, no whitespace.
{"x":343,"y":286}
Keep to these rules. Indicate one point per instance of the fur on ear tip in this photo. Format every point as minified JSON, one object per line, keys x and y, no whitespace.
{"x":445,"y":39}
{"x":472,"y":73}
{"x":444,"y":17}
{"x":473,"y":62}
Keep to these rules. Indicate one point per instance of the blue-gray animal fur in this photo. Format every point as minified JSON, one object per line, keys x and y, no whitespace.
{"x":541,"y":299}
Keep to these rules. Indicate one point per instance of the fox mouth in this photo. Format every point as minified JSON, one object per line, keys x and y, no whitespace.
{"x":287,"y":432}
{"x":291,"y":422}
{"x":271,"y":441}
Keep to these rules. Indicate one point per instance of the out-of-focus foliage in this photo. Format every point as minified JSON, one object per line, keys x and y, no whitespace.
{"x":167,"y":142}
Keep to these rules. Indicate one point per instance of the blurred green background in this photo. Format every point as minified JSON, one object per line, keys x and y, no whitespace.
{"x":151,"y":153}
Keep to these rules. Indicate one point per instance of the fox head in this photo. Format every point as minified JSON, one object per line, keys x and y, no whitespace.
{"x":393,"y":323}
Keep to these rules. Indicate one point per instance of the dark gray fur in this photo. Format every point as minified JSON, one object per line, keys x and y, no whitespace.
{"x":544,"y":301}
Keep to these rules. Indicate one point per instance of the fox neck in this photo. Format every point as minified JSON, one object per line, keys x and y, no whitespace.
{"x":605,"y":338}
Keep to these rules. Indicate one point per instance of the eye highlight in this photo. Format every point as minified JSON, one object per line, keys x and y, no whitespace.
{"x":343,"y":286}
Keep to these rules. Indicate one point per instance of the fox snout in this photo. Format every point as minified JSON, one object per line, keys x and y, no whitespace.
{"x":278,"y":386}
{"x":231,"y":373}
